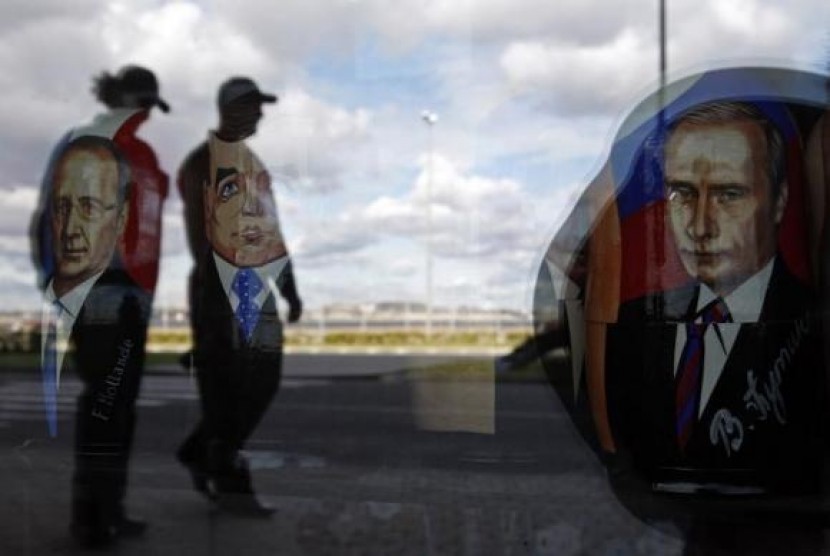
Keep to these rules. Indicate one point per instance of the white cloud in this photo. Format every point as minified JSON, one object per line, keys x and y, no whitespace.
{"x":320,"y":241}
{"x":192,"y":49}
{"x":574,"y":76}
{"x":499,"y":20}
{"x":528,"y":91}
{"x":294,"y":28}
{"x":16,"y":209}
{"x":577,"y":79}
{"x":481,"y":228}
{"x":749,"y":30}
{"x":471,"y":215}
{"x":310,"y":144}
{"x":748,"y":17}
{"x":17,"y":275}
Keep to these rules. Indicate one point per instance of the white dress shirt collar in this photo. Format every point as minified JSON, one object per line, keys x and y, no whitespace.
{"x":266,"y":273}
{"x":73,"y":300}
{"x":747,"y":300}
{"x":70,"y":306}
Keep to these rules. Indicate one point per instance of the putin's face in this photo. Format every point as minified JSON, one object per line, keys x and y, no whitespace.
{"x":240,"y":212}
{"x":721,"y":207}
{"x":86,"y":222}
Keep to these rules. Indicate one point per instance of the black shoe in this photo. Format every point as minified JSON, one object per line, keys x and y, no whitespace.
{"x":244,"y":505}
{"x":93,"y":537}
{"x":130,"y":528}
{"x":186,"y":360}
{"x":199,"y":476}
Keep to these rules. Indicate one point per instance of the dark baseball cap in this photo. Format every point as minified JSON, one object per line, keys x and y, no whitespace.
{"x":142,"y":84}
{"x":237,"y":87}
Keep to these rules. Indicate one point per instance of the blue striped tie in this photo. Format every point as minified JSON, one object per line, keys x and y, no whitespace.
{"x":49,"y":370}
{"x":247,"y":285}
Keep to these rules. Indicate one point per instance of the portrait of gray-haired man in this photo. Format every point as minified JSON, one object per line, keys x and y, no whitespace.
{"x":95,"y":321}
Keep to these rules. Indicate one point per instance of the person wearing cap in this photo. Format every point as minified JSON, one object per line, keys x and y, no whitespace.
{"x":95,"y":244}
{"x":241,"y":264}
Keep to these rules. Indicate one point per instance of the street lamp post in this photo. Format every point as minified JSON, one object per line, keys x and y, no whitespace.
{"x":430,"y":118}
{"x":661,"y":23}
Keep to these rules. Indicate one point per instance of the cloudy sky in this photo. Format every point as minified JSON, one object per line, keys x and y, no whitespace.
{"x":528,"y":93}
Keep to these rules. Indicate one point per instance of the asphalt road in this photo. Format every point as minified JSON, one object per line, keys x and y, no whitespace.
{"x":379,"y":460}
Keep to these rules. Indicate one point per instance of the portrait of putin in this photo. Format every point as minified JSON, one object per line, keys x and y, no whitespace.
{"x":726,"y":192}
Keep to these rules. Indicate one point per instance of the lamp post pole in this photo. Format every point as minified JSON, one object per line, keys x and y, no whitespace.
{"x":662,"y":39}
{"x":430,"y":118}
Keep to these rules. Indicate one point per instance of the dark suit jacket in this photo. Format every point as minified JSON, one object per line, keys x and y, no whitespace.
{"x":760,"y":427}
{"x":219,"y":337}
{"x":109,"y":333}
{"x":108,"y":337}
{"x":237,"y":379}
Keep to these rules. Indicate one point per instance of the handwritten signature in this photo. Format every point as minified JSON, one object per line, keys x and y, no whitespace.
{"x":768,"y":399}
{"x":728,"y":430}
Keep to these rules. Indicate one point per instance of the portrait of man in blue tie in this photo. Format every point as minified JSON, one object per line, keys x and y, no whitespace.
{"x":241,"y":267}
{"x":243,"y":229}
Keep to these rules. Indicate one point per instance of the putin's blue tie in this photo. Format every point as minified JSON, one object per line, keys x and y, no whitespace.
{"x":247,"y":285}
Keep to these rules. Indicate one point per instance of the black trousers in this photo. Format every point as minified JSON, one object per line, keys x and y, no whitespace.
{"x":234,"y":400}
{"x":237,"y":381}
{"x":104,"y":428}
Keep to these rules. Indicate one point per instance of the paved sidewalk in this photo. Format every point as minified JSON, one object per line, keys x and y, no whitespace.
{"x":354,"y":365}
{"x":353,"y":467}
{"x":347,"y":510}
